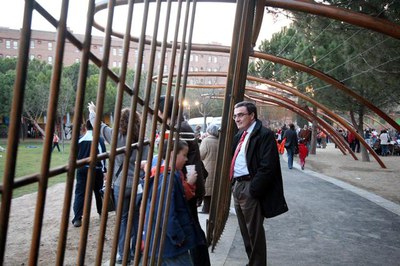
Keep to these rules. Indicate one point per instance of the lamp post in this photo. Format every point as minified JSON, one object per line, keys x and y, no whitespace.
{"x":187,"y":106}
{"x":202,"y":110}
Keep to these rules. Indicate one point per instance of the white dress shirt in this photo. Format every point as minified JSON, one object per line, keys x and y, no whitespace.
{"x":240,"y":168}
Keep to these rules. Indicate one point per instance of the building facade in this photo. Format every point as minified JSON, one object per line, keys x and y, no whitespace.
{"x":43,"y":44}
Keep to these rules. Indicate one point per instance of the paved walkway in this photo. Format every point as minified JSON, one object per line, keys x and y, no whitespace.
{"x":329,"y":223}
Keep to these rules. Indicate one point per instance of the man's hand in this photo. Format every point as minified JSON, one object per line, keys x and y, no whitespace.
{"x":91,"y":107}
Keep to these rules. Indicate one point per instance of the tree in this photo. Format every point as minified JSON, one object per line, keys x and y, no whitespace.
{"x":365,"y":61}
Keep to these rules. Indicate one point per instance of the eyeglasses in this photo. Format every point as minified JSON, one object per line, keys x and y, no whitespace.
{"x":239,"y":115}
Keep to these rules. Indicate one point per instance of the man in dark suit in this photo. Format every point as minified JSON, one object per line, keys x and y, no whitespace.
{"x":257,"y":180}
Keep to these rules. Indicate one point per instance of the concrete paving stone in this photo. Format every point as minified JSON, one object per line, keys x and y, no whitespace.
{"x":327,"y":224}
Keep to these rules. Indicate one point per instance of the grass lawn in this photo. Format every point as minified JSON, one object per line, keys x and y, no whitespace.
{"x":29,"y":162}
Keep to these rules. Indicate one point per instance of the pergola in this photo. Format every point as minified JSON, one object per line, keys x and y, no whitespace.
{"x":247,"y":25}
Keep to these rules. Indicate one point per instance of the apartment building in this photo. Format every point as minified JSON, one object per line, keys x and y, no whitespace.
{"x":43,"y":46}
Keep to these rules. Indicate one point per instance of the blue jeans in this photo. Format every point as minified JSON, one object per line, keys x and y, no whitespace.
{"x":384,"y":149}
{"x":290,"y":154}
{"x":124,"y":222}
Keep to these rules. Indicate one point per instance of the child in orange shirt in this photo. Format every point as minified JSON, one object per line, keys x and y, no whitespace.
{"x":303,"y":151}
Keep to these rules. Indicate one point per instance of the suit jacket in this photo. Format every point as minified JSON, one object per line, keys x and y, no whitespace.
{"x":265,"y":170}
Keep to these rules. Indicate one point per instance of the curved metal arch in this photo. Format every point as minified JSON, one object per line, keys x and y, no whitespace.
{"x":365,"y":21}
{"x":312,"y":71}
{"x":293,"y":104}
{"x":334,"y":82}
{"x":323,"y":107}
{"x":306,"y":98}
{"x":339,"y":141}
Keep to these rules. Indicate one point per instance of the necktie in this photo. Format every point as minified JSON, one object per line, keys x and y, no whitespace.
{"x":236,"y":153}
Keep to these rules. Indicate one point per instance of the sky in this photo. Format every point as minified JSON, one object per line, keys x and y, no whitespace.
{"x":213,"y":24}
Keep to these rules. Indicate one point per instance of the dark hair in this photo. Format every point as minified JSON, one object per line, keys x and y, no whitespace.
{"x":89,"y":125}
{"x":181,"y":144}
{"x":251,"y":107}
{"x":162,"y":104}
{"x":124,"y":121}
{"x":291,"y":126}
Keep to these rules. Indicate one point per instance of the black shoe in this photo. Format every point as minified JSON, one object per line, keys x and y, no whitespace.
{"x":77,"y":223}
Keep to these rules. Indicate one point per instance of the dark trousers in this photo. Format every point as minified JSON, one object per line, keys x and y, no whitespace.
{"x":80,"y":188}
{"x":55,"y":144}
{"x":199,"y":254}
{"x":250,"y":218}
{"x":206,"y":204}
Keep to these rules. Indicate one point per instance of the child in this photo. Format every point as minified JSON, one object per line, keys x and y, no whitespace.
{"x":303,"y":151}
{"x":180,"y":231}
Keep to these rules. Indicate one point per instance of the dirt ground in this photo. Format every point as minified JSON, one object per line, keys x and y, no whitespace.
{"x":330,"y":161}
{"x":366,"y":175}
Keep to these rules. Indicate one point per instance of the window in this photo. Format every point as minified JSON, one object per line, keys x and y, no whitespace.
{"x":50,"y":46}
{"x":77,"y":60}
{"x":50,"y":60}
{"x":191,"y":58}
{"x":196,"y":58}
{"x":114,"y":51}
{"x":209,"y":69}
{"x":159,"y":55}
{"x":114,"y":64}
{"x":215,"y":59}
{"x":32,"y":44}
{"x":32,"y":56}
{"x":209,"y":59}
{"x":120,"y":51}
{"x":8,"y":44}
{"x":15,"y":44}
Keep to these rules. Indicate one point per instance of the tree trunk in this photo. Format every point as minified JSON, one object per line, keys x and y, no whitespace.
{"x":36,"y":125}
{"x":313,"y":147}
{"x":364,"y":151}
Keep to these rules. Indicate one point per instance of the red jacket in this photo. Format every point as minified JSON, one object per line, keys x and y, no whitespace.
{"x":302,"y":150}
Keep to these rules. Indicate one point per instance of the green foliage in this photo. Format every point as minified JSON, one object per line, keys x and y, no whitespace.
{"x":365,"y":61}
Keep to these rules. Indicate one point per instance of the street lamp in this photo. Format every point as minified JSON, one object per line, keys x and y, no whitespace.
{"x":187,"y":106}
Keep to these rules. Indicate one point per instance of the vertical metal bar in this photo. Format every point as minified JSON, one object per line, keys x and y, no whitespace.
{"x":145,"y":111}
{"x":161,"y":146}
{"x":149,"y":158}
{"x":96,"y":136}
{"x":111,"y":163}
{"x":234,"y":92}
{"x":226,"y":131}
{"x":176,"y":118}
{"x":77,"y":120}
{"x":52,"y":116}
{"x":15,"y":125}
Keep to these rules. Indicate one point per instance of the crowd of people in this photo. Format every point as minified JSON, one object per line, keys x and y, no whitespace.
{"x":185,"y":242}
{"x":385,"y":142}
{"x":255,"y":174}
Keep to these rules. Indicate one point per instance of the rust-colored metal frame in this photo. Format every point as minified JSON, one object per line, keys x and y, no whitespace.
{"x":248,"y":21}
